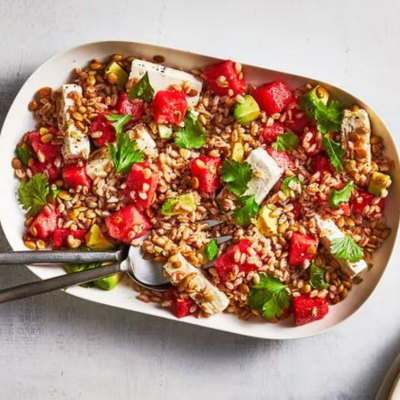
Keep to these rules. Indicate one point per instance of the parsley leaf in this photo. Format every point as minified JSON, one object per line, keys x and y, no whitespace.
{"x":337,"y":197}
{"x":317,"y":277}
{"x":142,"y":89}
{"x":119,"y":121}
{"x":211,"y":250}
{"x":236,"y":175}
{"x":125,"y":153}
{"x":270,"y":296}
{"x":347,"y":249}
{"x":32,"y":194}
{"x":23,"y":154}
{"x":291,"y":183}
{"x":192,"y":135}
{"x":286,"y":142}
{"x":328,"y":116}
{"x":249,"y":210}
{"x":335,"y":152}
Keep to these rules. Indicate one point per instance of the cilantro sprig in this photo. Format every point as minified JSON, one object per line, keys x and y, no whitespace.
{"x":335,"y":152}
{"x":192,"y":135}
{"x":347,"y":249}
{"x":317,"y":277}
{"x":270,"y":296}
{"x":125,"y":153}
{"x":286,"y":142}
{"x":249,"y":210}
{"x":236,"y":175}
{"x":328,"y":116}
{"x":32,"y":194}
{"x":337,"y":197}
{"x":211,"y":250}
{"x":142,"y":89}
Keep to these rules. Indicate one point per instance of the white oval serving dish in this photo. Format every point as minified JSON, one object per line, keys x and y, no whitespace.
{"x":57,"y":71}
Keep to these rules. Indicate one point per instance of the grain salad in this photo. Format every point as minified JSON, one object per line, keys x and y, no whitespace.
{"x":132,"y":152}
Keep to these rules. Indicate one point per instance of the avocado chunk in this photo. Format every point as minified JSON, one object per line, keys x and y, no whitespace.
{"x":177,"y":205}
{"x":318,"y":93}
{"x":247,"y":111}
{"x":109,"y":282}
{"x":237,"y":152}
{"x":95,"y":239}
{"x":164,"y":131}
{"x":266,"y":223}
{"x":291,"y":183}
{"x":114,"y":68}
{"x":379,"y":183}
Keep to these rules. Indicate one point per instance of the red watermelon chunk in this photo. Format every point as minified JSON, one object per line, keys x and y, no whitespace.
{"x":323,"y":165}
{"x":141,"y":185}
{"x":169,"y":107}
{"x":134,"y":108}
{"x":49,"y":169}
{"x":364,"y":199}
{"x":307,"y":309}
{"x":223,"y":77}
{"x":225,"y":262}
{"x":281,"y":158}
{"x":127,"y":224}
{"x":309,"y":141}
{"x":45,"y":222}
{"x":47,"y":150}
{"x":75,"y":175}
{"x":269,"y":134}
{"x":273,"y":97}
{"x":60,"y":236}
{"x":302,"y":248}
{"x":205,"y":169}
{"x":180,"y":306}
{"x":102,"y":131}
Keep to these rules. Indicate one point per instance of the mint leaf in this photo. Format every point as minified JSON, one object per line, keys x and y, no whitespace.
{"x":270,"y":296}
{"x":335,"y":152}
{"x":32,"y":194}
{"x":337,"y":197}
{"x":347,"y":249}
{"x":286,"y":142}
{"x":192,"y":135}
{"x":142,"y":89}
{"x":317,"y":277}
{"x":249,"y":210}
{"x":236,"y":175}
{"x":211,"y":250}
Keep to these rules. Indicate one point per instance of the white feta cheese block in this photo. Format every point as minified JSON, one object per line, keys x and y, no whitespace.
{"x":356,"y":138}
{"x":266,"y":173}
{"x":143,"y":138}
{"x":76,"y":142}
{"x":332,"y":231}
{"x":161,"y":78}
{"x":205,"y":294}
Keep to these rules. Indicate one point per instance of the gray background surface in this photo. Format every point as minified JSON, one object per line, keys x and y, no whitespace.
{"x":59,"y":347}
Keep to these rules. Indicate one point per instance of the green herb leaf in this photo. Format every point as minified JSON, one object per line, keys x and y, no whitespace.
{"x":270,"y":296}
{"x":291,"y":183}
{"x":32,"y":194}
{"x":54,"y":193}
{"x":23,"y":154}
{"x":337,"y":197}
{"x":119,"y":120}
{"x":142,"y":89}
{"x":335,"y":152}
{"x":125,"y":153}
{"x":211,"y":250}
{"x":347,"y":249}
{"x":249,"y":210}
{"x":317,"y":277}
{"x":192,"y":135}
{"x":328,"y":116}
{"x":286,"y":142}
{"x":236,"y":175}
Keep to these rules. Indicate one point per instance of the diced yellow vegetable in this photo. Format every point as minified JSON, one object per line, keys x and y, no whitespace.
{"x":266,"y":223}
{"x":95,"y":239}
{"x":182,"y":204}
{"x":115,"y":68}
{"x":237,"y":152}
{"x":379,"y":183}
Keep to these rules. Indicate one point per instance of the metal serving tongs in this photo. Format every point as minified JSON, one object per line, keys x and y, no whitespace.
{"x":146,"y":273}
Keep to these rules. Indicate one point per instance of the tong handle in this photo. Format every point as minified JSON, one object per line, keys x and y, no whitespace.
{"x":59,"y":257}
{"x":59,"y":282}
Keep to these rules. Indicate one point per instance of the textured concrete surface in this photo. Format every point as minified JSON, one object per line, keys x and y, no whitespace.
{"x":59,"y":347}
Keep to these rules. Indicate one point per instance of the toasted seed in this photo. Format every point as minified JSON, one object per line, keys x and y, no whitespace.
{"x":46,"y":138}
{"x":147,"y":173}
{"x":34,"y":231}
{"x":41,"y":245}
{"x":41,"y":156}
{"x":16,"y":163}
{"x":33,"y":106}
{"x":112,"y":78}
{"x":195,"y":182}
{"x":30,"y":245}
